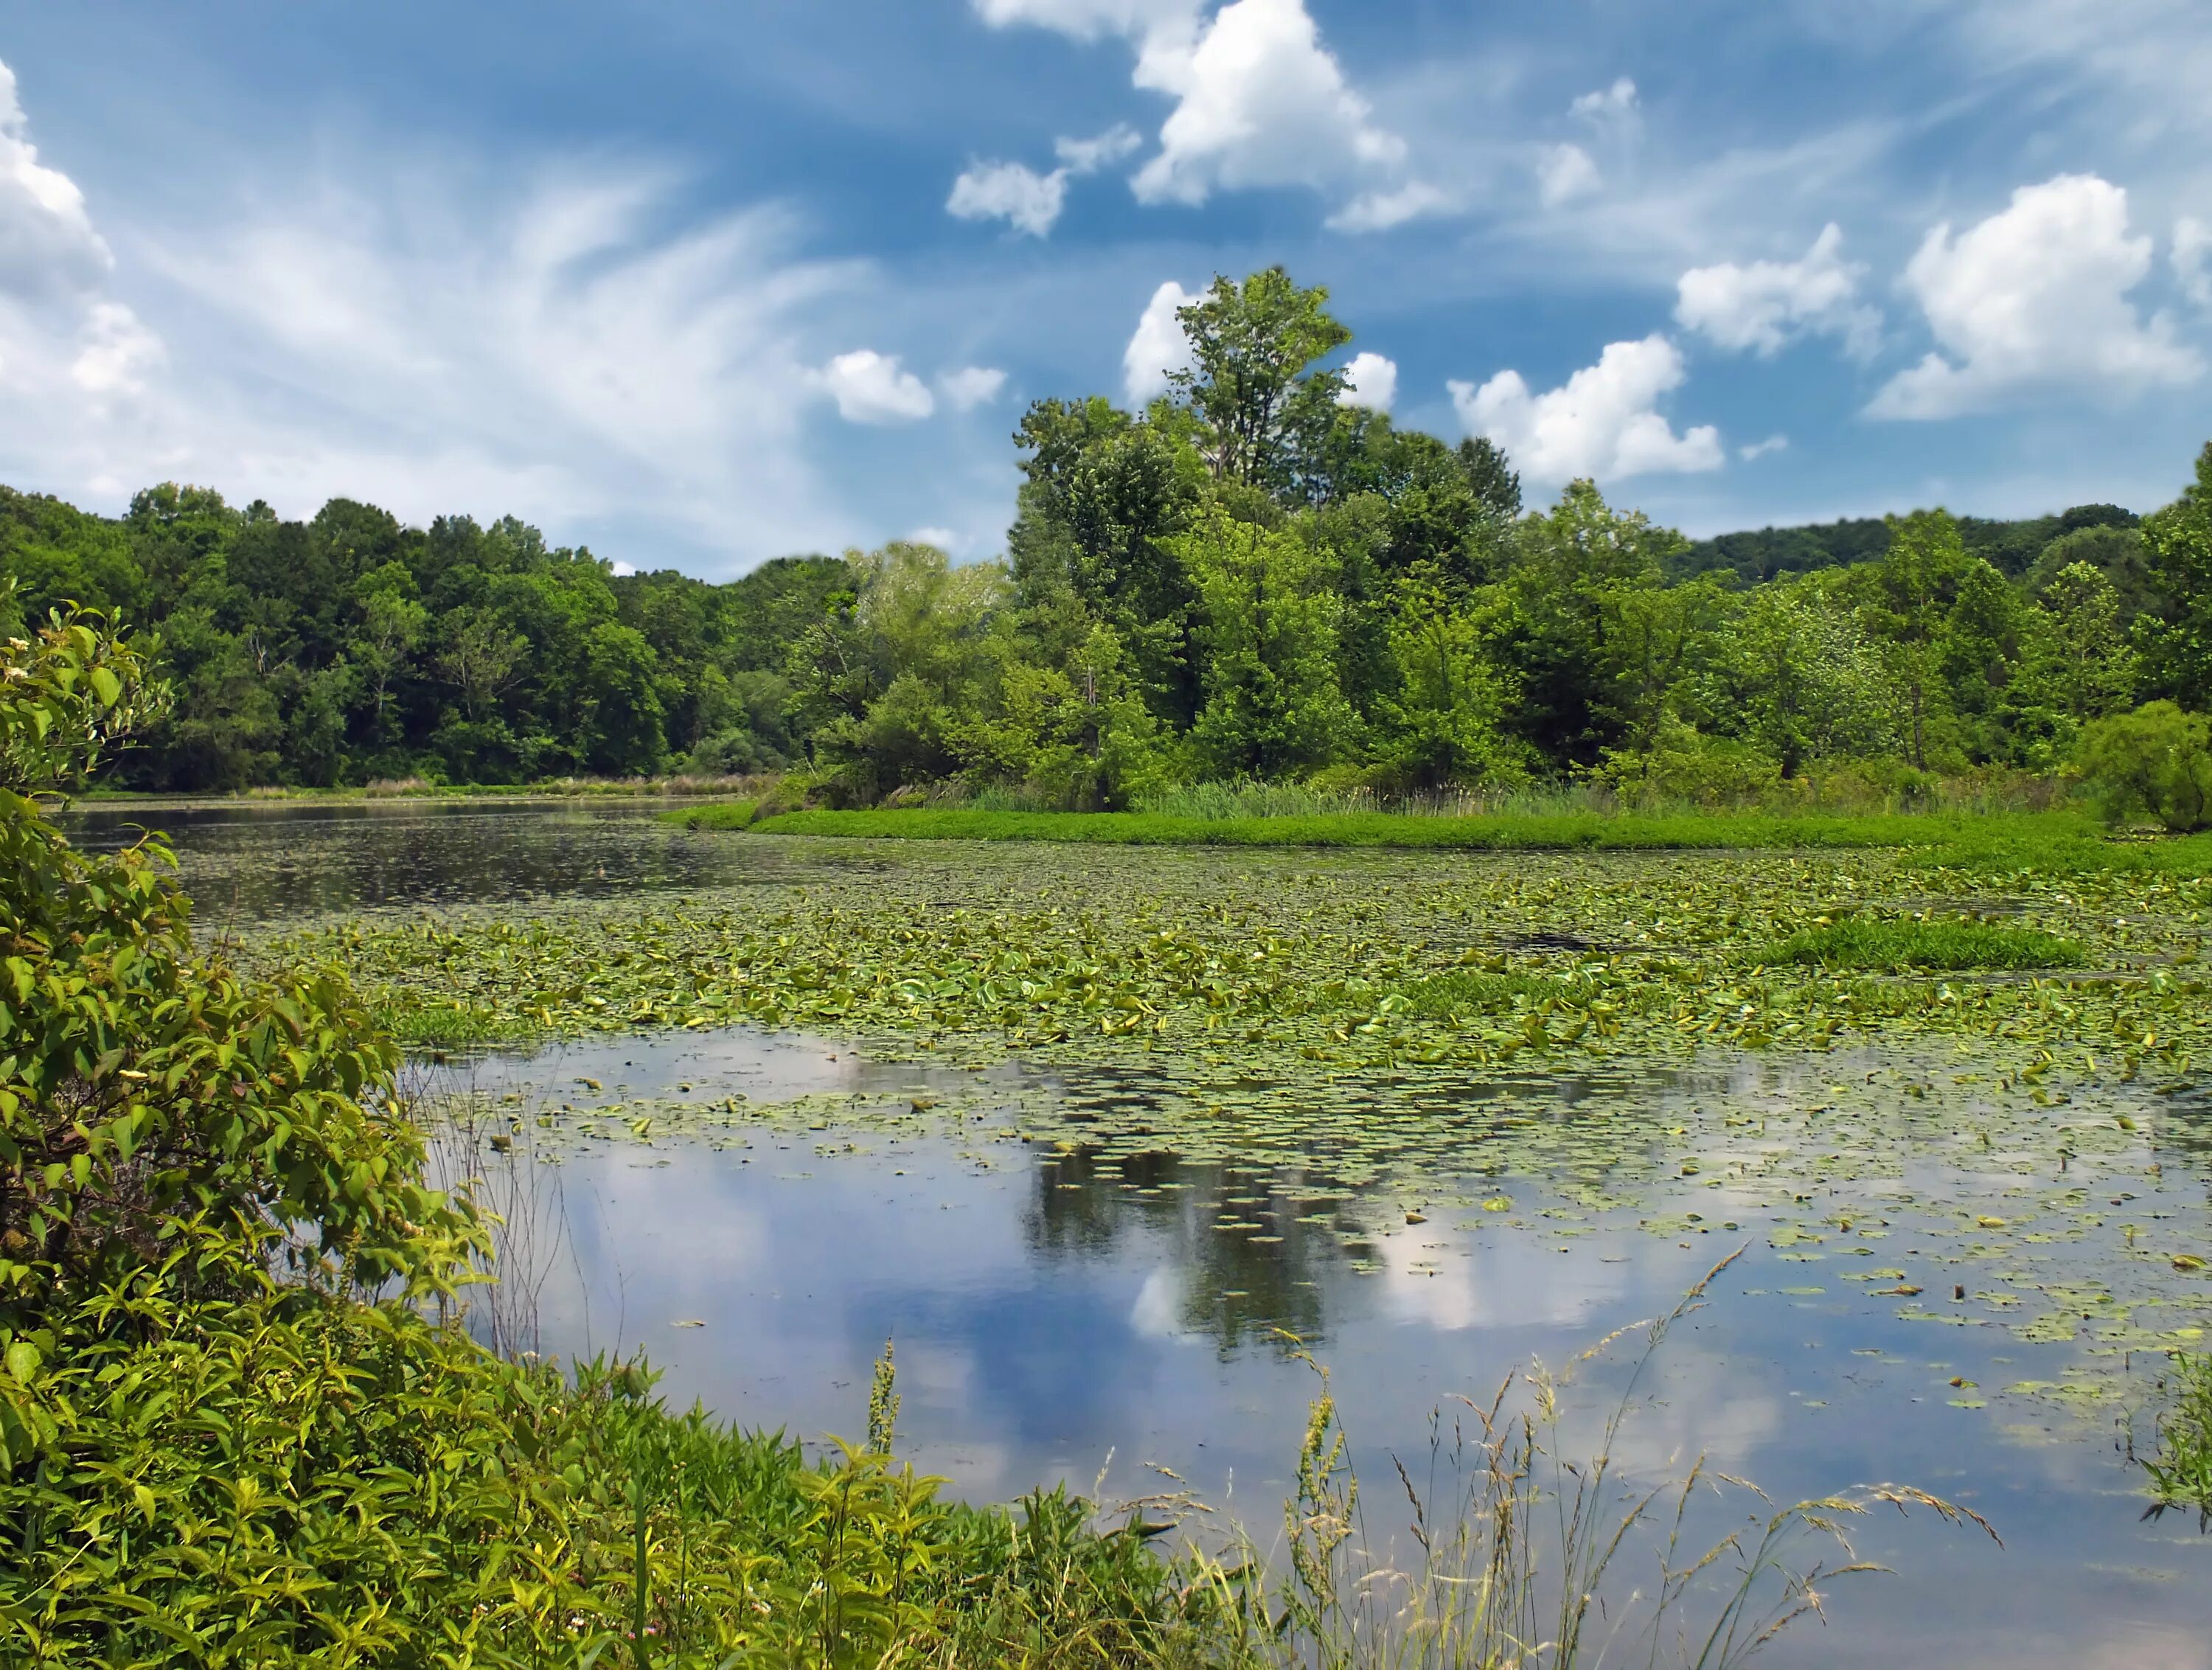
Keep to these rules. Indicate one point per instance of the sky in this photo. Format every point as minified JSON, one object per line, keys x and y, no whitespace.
{"x":700,"y":284}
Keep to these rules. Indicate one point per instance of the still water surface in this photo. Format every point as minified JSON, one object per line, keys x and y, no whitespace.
{"x":1056,"y":1314}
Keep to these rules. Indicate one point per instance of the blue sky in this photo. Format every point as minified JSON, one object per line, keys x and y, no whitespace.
{"x":701,"y":283}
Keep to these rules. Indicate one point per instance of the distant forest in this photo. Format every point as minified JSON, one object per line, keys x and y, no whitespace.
{"x":1251,"y":579}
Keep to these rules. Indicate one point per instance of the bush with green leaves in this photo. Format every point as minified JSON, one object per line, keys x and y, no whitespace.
{"x":2156,"y":762}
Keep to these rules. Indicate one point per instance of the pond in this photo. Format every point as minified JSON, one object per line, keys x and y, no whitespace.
{"x":1105,"y":1259}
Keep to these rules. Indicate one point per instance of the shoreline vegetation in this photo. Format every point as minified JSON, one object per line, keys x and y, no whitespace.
{"x":240,"y":1421}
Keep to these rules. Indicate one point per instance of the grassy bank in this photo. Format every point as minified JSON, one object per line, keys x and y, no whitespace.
{"x":2055,"y":840}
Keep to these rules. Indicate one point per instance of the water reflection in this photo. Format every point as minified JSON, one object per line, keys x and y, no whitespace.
{"x":1249,"y":1249}
{"x":252,"y":865}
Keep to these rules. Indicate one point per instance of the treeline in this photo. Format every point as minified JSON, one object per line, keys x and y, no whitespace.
{"x":1253,"y":579}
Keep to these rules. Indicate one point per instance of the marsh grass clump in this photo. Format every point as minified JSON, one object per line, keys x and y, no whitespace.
{"x":1943,"y":944}
{"x":433,"y":1028}
{"x":2180,"y":1474}
{"x":721,"y":815}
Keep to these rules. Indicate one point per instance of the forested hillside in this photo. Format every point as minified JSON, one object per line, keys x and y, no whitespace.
{"x":1251,"y":579}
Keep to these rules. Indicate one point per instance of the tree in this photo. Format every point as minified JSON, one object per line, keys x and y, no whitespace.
{"x":2177,"y":541}
{"x":1567,"y":564}
{"x":481,"y":656}
{"x":1798,"y":676}
{"x":2079,"y":660}
{"x":1248,"y":384}
{"x":1910,"y":593}
{"x":1445,"y":722}
{"x":392,"y":624}
{"x":1269,"y":631}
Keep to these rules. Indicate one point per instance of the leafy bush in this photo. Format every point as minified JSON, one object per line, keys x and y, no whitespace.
{"x":1685,"y":766}
{"x":2157,"y":761}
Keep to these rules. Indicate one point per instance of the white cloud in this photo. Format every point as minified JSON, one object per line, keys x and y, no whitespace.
{"x":1026,"y":200}
{"x":1608,"y":104}
{"x":1260,"y":101}
{"x":1602,"y":423}
{"x":1565,"y":172}
{"x":2035,"y":297}
{"x":1088,"y":156}
{"x":1157,"y":346}
{"x":1086,"y":19}
{"x":1378,"y":211}
{"x":1760,"y":449}
{"x":1765,"y":306}
{"x":48,"y":248}
{"x":546,"y":347}
{"x":118,"y":352}
{"x":870,"y":388}
{"x":971,"y":386}
{"x":622,"y":570}
{"x":1370,"y":380}
{"x":2192,"y":242}
{"x":943,"y":538}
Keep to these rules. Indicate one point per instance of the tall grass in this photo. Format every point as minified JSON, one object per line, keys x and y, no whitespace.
{"x":2180,"y":1474}
{"x":1520,"y":1553}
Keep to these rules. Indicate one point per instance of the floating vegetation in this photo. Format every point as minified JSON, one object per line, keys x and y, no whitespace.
{"x":1337,"y":961}
{"x":1563,"y":1043}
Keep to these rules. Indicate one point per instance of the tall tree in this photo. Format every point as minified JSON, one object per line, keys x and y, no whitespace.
{"x":1249,"y":383}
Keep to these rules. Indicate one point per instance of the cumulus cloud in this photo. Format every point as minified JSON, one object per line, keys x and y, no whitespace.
{"x":1026,"y":200}
{"x":1260,"y":101}
{"x":1608,"y":104}
{"x":49,"y":249}
{"x":971,"y":386}
{"x":1602,"y":423}
{"x":1370,"y":380}
{"x":2193,"y":243}
{"x":943,"y":538}
{"x":1565,"y":172}
{"x":870,"y":388}
{"x":1760,"y":449}
{"x":1158,"y":347}
{"x":1765,"y":306}
{"x":2035,"y":298}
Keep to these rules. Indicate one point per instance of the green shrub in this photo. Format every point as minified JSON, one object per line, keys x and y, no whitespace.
{"x":2156,"y":762}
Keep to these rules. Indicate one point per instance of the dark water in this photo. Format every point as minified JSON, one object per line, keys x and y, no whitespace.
{"x":251,"y":865}
{"x":1056,"y":1314}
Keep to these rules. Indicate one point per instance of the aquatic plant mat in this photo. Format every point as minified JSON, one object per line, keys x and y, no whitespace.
{"x":1320,"y":1047}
